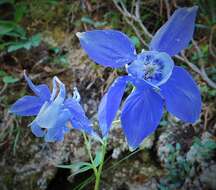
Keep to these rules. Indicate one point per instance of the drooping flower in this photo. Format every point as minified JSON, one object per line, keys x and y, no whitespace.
{"x":157,"y":80}
{"x":53,"y":111}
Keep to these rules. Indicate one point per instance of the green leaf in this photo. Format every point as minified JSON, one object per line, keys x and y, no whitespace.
{"x":6,"y":27}
{"x":36,"y":40}
{"x":87,"y":20}
{"x":20,"y":10}
{"x":17,"y":31}
{"x":170,"y":147}
{"x":2,"y":46}
{"x":178,"y":147}
{"x":55,"y":50}
{"x":98,"y":157}
{"x":197,"y":141}
{"x":100,"y":24}
{"x":75,"y":166}
{"x":63,"y":59}
{"x":9,"y":79}
{"x":210,"y":144}
{"x":27,"y":45}
{"x":53,"y":2}
{"x":202,"y":26}
{"x":78,"y":167}
{"x":15,"y":46}
{"x":81,"y":170}
{"x":2,"y":73}
{"x":135,"y":41}
{"x":6,"y":1}
{"x":20,"y":31}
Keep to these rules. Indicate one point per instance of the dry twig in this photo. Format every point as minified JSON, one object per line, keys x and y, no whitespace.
{"x":132,"y":18}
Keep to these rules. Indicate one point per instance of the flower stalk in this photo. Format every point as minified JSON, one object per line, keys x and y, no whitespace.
{"x":99,"y":171}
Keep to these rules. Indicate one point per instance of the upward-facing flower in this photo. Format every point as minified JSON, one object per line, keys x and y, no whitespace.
{"x":158,"y":81}
{"x":53,"y":111}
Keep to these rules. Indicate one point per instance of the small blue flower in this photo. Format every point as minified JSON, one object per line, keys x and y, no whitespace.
{"x":53,"y":111}
{"x":157,"y":80}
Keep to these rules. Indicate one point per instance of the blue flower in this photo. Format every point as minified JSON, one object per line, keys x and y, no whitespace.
{"x":157,"y":80}
{"x":53,"y":111}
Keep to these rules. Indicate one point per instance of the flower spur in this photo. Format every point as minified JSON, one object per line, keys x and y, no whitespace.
{"x":157,"y":80}
{"x":53,"y":111}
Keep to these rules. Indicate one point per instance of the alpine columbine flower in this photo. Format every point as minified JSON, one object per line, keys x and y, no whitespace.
{"x":158,"y":81}
{"x":53,"y":111}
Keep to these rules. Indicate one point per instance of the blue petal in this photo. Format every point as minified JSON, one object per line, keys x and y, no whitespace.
{"x":110,"y":103}
{"x":47,"y":116}
{"x":27,"y":106}
{"x":57,"y":132}
{"x":182,"y":96}
{"x":37,"y":131}
{"x":49,"y":113}
{"x":41,"y":91}
{"x":108,"y":47}
{"x":59,"y":99}
{"x":176,"y":33}
{"x":44,"y":92}
{"x":54,"y":134}
{"x":141,"y":115}
{"x":78,"y":118}
{"x":74,"y":106}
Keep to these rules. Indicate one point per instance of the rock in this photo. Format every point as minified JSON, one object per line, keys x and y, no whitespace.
{"x":188,"y":159}
{"x":181,"y":135}
{"x":34,"y":164}
{"x":152,"y":184}
{"x":208,"y":177}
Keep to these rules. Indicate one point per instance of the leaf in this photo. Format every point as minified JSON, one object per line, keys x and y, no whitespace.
{"x":20,"y":31}
{"x":6,"y":1}
{"x":17,"y":31}
{"x":2,"y":73}
{"x":9,"y":79}
{"x":27,"y":45}
{"x":100,"y":24}
{"x":15,"y":46}
{"x":35,"y":40}
{"x":2,"y":46}
{"x":197,"y":141}
{"x":98,"y":157}
{"x":87,"y":20}
{"x":63,"y":59}
{"x":20,"y":10}
{"x":78,"y":167}
{"x":178,"y":147}
{"x":86,"y":168}
{"x":135,"y":41}
{"x":75,"y":166}
{"x":55,"y":50}
{"x":210,"y":144}
{"x":6,"y":27}
{"x":53,"y":2}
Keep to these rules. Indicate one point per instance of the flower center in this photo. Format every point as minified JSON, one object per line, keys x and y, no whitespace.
{"x":151,"y":66}
{"x":149,"y":71}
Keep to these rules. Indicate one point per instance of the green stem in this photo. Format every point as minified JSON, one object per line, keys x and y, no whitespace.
{"x":88,"y":148}
{"x":99,"y":171}
{"x":92,"y":177}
